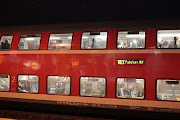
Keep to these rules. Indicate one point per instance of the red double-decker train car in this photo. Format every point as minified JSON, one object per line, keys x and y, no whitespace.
{"x":118,"y":69}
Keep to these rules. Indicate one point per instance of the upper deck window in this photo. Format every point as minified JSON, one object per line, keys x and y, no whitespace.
{"x":130,"y":88}
{"x":60,"y":41}
{"x":168,"y":89}
{"x":6,"y":42}
{"x":94,"y":40}
{"x":28,"y":83}
{"x":4,"y":82}
{"x":168,"y":39}
{"x":30,"y":42}
{"x":92,"y":86}
{"x":58,"y":85}
{"x":131,"y":39}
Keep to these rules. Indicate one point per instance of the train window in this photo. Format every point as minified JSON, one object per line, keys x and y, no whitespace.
{"x":94,"y":40}
{"x":131,"y":39}
{"x":58,"y":85}
{"x":60,"y":41}
{"x":168,"y":39}
{"x":30,"y":42}
{"x":168,"y":89}
{"x":130,"y":88}
{"x":28,"y":83}
{"x":4,"y":82}
{"x":92,"y":86}
{"x":6,"y":42}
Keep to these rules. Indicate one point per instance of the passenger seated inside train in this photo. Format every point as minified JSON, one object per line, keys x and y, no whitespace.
{"x":21,"y":45}
{"x":130,"y":88}
{"x":28,"y":83}
{"x":5,"y":44}
{"x":168,"y":39}
{"x":93,"y":44}
{"x":91,"y":86}
{"x":30,"y":41}
{"x":168,"y":90}
{"x":94,"y":40}
{"x":58,"y":85}
{"x":131,"y":39}
{"x":24,"y":86}
{"x":173,"y":43}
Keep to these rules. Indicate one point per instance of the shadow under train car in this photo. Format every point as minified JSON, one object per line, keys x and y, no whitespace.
{"x":85,"y":110}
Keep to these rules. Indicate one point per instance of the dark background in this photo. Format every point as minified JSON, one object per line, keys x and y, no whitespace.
{"x":35,"y":12}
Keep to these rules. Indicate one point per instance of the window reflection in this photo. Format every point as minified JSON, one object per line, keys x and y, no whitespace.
{"x":130,"y":88}
{"x":168,"y":39}
{"x":4,"y":82}
{"x":28,"y":83}
{"x":92,"y":86}
{"x":31,"y":42}
{"x":131,"y":39}
{"x":6,"y":42}
{"x":94,"y":40}
{"x":60,"y":41}
{"x":168,"y":90}
{"x":58,"y":85}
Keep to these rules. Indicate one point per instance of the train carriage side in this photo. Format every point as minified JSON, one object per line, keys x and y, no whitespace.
{"x":119,"y":69}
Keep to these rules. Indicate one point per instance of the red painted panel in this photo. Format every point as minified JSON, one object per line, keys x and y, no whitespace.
{"x":44,"y":41}
{"x":75,"y":65}
{"x":112,"y":38}
{"x":15,"y":41}
{"x":76,"y":42}
{"x":151,"y":38}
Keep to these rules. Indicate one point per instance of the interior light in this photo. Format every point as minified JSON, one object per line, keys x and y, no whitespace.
{"x":101,"y":37}
{"x":32,"y":76}
{"x":29,"y":39}
{"x":69,"y":37}
{"x":55,"y":38}
{"x":84,"y":37}
{"x":134,"y":41}
{"x":169,"y":35}
{"x":135,"y":36}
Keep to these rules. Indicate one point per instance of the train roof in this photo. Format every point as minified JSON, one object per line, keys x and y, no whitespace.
{"x":95,"y":26}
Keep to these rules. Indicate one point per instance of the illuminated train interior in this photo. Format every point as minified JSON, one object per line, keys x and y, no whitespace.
{"x":117,"y":70}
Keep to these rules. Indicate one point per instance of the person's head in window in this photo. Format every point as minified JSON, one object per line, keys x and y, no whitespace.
{"x":121,"y":45}
{"x":5,"y":44}
{"x":21,"y":45}
{"x":93,"y":45}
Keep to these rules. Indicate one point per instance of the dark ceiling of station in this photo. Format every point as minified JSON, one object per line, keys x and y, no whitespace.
{"x":36,"y":12}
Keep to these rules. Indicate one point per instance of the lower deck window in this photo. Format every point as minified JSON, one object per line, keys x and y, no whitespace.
{"x":28,"y":83}
{"x":4,"y":82}
{"x":130,"y":88}
{"x":92,"y":86}
{"x":168,"y":90}
{"x":58,"y":85}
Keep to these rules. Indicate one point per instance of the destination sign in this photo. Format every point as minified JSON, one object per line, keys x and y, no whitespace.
{"x":130,"y":62}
